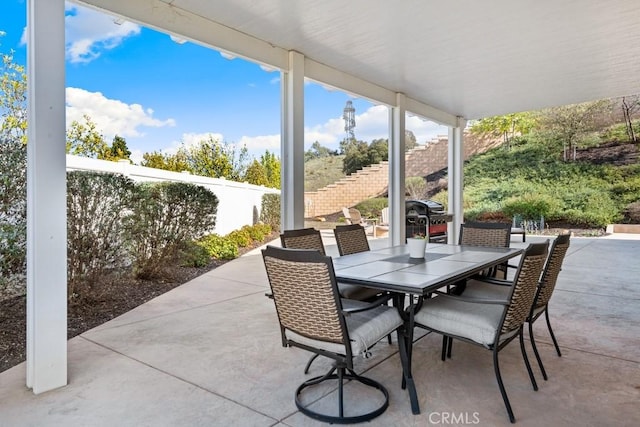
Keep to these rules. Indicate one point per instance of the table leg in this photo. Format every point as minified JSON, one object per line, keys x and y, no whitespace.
{"x":405,"y":345}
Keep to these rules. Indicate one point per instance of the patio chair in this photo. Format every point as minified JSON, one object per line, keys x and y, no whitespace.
{"x":310,"y":238}
{"x":351,"y":239}
{"x":493,"y":234}
{"x":353,"y":216}
{"x":489,"y":323}
{"x":303,"y":238}
{"x":497,"y":289}
{"x":384,"y":220}
{"x":313,"y":317}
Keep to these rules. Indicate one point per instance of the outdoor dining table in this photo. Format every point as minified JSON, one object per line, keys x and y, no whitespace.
{"x":392,"y":270}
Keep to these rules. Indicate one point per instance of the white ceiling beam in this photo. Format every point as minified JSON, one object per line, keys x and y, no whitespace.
{"x":165,"y":18}
{"x":347,"y":82}
{"x":431,"y":113}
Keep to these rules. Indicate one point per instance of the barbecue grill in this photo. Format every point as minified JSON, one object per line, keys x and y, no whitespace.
{"x":420,"y":213}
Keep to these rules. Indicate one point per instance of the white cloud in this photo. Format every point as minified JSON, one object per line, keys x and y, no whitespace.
{"x":193,"y":139}
{"x":370,"y":125}
{"x":112,"y":117}
{"x":424,"y":130}
{"x":89,"y":32}
{"x":259,"y":144}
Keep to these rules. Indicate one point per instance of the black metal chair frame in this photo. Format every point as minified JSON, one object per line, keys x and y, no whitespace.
{"x":310,"y":238}
{"x":534,"y":250}
{"x":343,"y":366}
{"x":547,"y":284}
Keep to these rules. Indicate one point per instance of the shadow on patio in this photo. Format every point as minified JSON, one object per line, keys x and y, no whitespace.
{"x":209,"y":353}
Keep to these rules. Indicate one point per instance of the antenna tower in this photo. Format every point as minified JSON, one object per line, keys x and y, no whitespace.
{"x":349,"y":117}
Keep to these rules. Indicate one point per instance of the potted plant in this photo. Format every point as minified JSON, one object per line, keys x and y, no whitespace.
{"x":417,"y":245}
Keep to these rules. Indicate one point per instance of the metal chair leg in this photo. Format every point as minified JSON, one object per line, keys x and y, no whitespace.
{"x":553,"y":337}
{"x":526,"y":362}
{"x":535,"y":351}
{"x":501,"y":386}
{"x":445,"y":341}
{"x":306,"y":368}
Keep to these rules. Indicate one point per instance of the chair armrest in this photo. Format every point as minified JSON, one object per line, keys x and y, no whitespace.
{"x":494,"y":281}
{"x":473,"y":300}
{"x":371,"y":305}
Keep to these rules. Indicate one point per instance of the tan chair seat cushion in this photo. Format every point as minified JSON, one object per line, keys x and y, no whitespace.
{"x":480,"y":289}
{"x":360,"y":293}
{"x":476,"y":322}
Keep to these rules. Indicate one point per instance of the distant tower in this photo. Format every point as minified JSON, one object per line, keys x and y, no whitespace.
{"x":349,"y":117}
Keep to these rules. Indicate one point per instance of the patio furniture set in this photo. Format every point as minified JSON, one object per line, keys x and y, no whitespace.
{"x":339,"y":307}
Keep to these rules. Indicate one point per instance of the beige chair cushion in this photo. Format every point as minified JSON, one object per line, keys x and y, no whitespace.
{"x":476,"y":322}
{"x":356,"y":292}
{"x":480,"y":289}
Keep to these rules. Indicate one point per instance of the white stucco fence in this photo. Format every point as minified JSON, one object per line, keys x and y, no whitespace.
{"x":236,"y":200}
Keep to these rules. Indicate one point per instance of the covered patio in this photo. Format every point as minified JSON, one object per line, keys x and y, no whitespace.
{"x":444,"y":61}
{"x":209,"y":353}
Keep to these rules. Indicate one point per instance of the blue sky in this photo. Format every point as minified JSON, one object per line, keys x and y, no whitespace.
{"x":159,"y":93}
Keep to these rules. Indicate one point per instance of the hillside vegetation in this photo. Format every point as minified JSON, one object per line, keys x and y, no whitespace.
{"x":322,"y":171}
{"x":532,"y":179}
{"x":529,"y":177}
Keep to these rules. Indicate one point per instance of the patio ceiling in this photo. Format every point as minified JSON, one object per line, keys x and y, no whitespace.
{"x":463,"y":58}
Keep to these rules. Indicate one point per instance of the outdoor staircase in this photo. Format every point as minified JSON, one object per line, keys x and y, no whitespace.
{"x":372,"y":181}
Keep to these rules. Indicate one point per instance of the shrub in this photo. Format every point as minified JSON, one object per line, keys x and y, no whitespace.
{"x":270,"y":213}
{"x":13,"y":215}
{"x":416,"y":187}
{"x":528,"y":206}
{"x":632,"y":212}
{"x":240,"y":237}
{"x":166,"y":216}
{"x":371,"y":208}
{"x":194,"y":255}
{"x":257,"y":232}
{"x":97,"y":207}
{"x":219,"y":247}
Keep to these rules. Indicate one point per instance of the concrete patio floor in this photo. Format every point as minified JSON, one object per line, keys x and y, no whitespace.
{"x":209,"y":353}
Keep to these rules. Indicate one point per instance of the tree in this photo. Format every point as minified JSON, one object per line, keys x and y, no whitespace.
{"x":409,"y":140}
{"x":356,"y":156}
{"x":216,"y":159}
{"x":378,"y":151}
{"x":317,"y":151}
{"x":630,"y":105}
{"x":83,"y":139}
{"x":271,"y":164}
{"x":568,"y":123}
{"x":256,"y":174}
{"x":171,"y":162}
{"x":507,"y":126}
{"x":117,"y":151}
{"x":13,"y":99}
{"x":209,"y":157}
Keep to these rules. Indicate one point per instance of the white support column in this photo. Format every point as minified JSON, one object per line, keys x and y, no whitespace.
{"x":456,"y":179}
{"x":397,"y":171}
{"x":46,"y":198}
{"x":292,"y":146}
